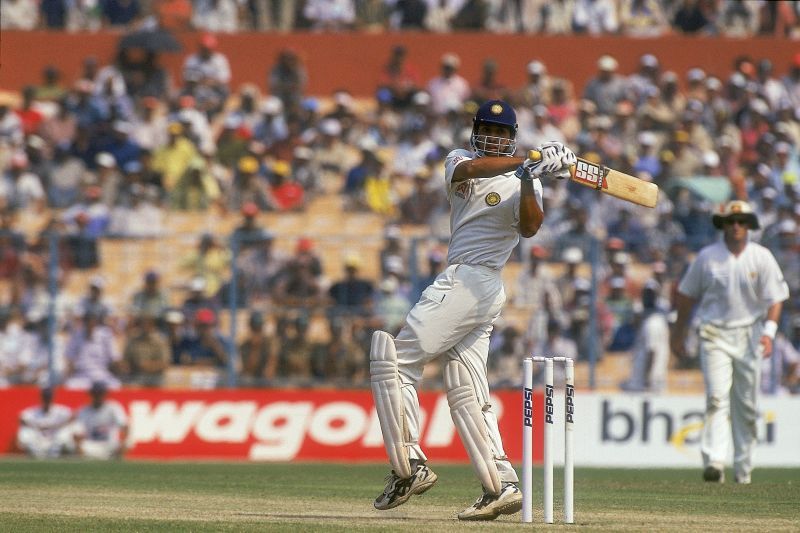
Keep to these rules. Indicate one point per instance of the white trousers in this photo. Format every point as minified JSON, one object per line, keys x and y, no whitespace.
{"x":100,"y":449}
{"x":453,"y":318}
{"x":730,"y":358}
{"x":48,"y":444}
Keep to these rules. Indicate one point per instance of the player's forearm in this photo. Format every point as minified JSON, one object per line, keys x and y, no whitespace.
{"x":531,"y":215}
{"x":683,"y":305}
{"x":485,"y":167}
{"x":774,"y":311}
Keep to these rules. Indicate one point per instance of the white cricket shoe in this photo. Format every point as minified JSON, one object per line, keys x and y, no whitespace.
{"x":490,"y":506}
{"x":399,"y":490}
{"x":743,"y":479}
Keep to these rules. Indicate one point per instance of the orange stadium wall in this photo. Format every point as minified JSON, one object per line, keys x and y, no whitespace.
{"x":353,"y":61}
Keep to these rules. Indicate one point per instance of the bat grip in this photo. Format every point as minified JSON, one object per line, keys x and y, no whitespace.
{"x":536,"y":155}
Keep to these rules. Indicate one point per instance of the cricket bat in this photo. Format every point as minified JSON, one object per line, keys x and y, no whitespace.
{"x":610,"y":181}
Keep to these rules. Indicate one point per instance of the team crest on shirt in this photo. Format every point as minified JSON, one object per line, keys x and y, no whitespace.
{"x":492,"y":199}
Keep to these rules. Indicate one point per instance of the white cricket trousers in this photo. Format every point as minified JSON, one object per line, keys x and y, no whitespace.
{"x":453,"y":318}
{"x":730,"y":358}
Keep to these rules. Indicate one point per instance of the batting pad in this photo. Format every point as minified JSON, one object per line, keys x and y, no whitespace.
{"x":388,"y":398}
{"x":468,"y":419}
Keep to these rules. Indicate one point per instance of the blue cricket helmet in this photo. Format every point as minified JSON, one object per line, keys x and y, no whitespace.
{"x":494,"y":112}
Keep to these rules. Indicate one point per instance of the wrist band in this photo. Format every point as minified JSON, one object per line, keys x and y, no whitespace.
{"x":770,"y":329}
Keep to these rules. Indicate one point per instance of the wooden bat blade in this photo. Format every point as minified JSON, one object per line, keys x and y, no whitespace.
{"x":610,"y":181}
{"x":615,"y":183}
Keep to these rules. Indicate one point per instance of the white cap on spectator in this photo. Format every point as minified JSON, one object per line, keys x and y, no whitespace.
{"x":617,"y":282}
{"x":343,"y":98}
{"x":710,"y":158}
{"x":367,"y":144}
{"x":647,"y":138}
{"x":232,"y":122}
{"x":769,"y":193}
{"x":536,"y":67}
{"x":272,"y":105}
{"x":572,"y":255}
{"x":330,"y":126}
{"x":787,"y":226}
{"x":451,"y":60}
{"x":98,"y":282}
{"x":649,"y":60}
{"x":120,"y":126}
{"x":421,"y":98}
{"x":713,"y":83}
{"x":36,"y":142}
{"x":607,"y":63}
{"x":782,"y":148}
{"x":303,"y":152}
{"x":759,"y":106}
{"x":197,"y":284}
{"x":394,"y":264}
{"x":389,"y":284}
{"x":105,"y":160}
{"x":621,"y":258}
{"x":695,"y":74}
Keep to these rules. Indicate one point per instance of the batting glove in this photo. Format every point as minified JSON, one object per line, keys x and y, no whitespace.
{"x":557,"y":160}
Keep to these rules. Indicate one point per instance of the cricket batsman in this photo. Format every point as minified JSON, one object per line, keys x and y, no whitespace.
{"x":494,"y":197}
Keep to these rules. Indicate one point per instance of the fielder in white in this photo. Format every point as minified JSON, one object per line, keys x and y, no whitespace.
{"x":495,"y":197}
{"x":739,"y":289}
{"x":102,"y":426}
{"x":45,"y":431}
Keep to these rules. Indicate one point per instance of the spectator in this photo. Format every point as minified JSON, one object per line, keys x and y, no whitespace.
{"x":342,"y":360}
{"x":259,"y":267}
{"x":287,"y":194}
{"x":173,"y":159}
{"x":208,"y":65}
{"x":91,"y":353}
{"x":45,"y":430}
{"x":330,"y":15}
{"x":353,"y":294}
{"x":197,"y":298}
{"x":296,"y":351}
{"x":370,"y":167}
{"x":607,"y":87}
{"x":249,"y":186}
{"x":400,"y":77}
{"x":150,"y":299}
{"x":205,"y":346}
{"x":83,"y":246}
{"x":536,"y":292}
{"x":418,"y":207}
{"x":210,"y":261}
{"x":506,"y":351}
{"x":146,"y":354}
{"x":595,"y":17}
{"x":650,"y":352}
{"x":621,"y":307}
{"x":140,"y":216}
{"x":94,"y":301}
{"x":694,"y":16}
{"x":120,"y":13}
{"x":196,"y":190}
{"x":21,"y":189}
{"x":275,"y":15}
{"x":287,"y":79}
{"x":19,"y":15}
{"x":258,"y":354}
{"x":642,"y":18}
{"x":555,"y":344}
{"x":391,"y":306}
{"x":102,"y":426}
{"x":449,"y":90}
{"x":218,"y":16}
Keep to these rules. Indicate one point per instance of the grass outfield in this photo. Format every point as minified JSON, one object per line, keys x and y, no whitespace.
{"x":150,"y":496}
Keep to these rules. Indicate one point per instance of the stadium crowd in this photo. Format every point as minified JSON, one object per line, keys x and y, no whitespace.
{"x":105,"y":156}
{"x":635,"y":18}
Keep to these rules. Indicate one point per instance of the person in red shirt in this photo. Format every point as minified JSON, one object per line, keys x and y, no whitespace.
{"x":28,"y":115}
{"x":287,"y":194}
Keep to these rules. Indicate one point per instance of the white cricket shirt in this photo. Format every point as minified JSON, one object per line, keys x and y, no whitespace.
{"x":484,"y":215}
{"x":734,"y":291}
{"x":103,"y":423}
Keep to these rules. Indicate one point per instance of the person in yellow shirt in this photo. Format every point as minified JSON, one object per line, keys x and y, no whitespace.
{"x":173,"y":160}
